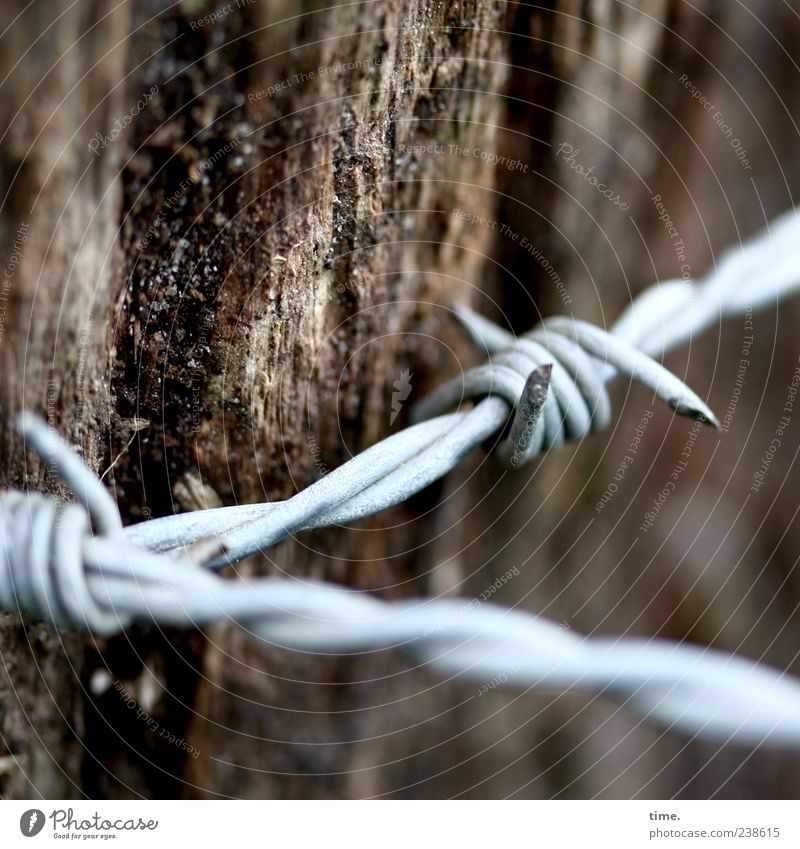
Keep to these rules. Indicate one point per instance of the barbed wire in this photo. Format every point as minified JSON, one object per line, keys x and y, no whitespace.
{"x":570,"y":361}
{"x":76,"y":566}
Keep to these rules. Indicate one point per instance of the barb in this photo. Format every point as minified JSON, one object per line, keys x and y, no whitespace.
{"x":551,"y":382}
{"x":551,"y":385}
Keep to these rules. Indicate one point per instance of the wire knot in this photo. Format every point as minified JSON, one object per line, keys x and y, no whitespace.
{"x":524,"y":386}
{"x":43,"y":572}
{"x":554,"y":379}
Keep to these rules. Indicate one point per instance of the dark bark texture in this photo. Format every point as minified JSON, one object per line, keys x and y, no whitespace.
{"x":228,"y":230}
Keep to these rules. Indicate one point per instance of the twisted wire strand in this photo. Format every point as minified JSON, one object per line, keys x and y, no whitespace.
{"x":59,"y":566}
{"x":75,"y":565}
{"x":551,"y":383}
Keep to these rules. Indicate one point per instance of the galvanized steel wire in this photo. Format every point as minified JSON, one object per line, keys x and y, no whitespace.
{"x":76,"y":566}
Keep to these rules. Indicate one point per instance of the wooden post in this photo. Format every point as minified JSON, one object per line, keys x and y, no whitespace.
{"x":227,"y":234}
